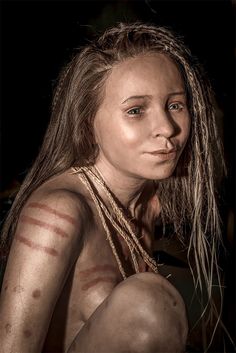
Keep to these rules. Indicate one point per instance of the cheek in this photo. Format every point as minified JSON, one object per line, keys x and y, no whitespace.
{"x":118,"y":136}
{"x":131,"y":136}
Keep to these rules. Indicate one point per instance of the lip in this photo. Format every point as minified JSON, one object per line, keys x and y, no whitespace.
{"x":164,"y":151}
{"x":164,"y":155}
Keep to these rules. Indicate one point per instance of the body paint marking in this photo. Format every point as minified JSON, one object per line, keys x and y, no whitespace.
{"x":8,"y":328}
{"x":96,"y":281}
{"x":98,"y":268}
{"x":32,"y":245}
{"x":52,"y":211}
{"x":27,"y":333}
{"x":55,"y":229}
{"x":36,"y":293}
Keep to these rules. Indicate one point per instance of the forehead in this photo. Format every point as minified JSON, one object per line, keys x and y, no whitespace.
{"x":144,"y":74}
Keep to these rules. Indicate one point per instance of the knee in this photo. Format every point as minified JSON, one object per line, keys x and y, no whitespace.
{"x":154,"y":311}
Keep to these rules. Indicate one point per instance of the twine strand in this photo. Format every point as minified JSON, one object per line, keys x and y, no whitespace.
{"x":122,"y":218}
{"x":128,"y":234}
{"x":85,"y":181}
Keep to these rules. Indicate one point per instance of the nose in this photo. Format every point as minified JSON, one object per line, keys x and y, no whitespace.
{"x":163,"y":124}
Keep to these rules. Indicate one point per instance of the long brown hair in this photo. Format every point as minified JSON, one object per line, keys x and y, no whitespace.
{"x":187,"y":197}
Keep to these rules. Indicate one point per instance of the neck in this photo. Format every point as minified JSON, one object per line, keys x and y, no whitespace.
{"x":129,"y":191}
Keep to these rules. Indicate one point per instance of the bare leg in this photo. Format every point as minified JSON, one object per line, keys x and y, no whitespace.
{"x":144,"y":314}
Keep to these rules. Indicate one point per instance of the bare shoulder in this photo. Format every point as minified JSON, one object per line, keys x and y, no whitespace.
{"x":53,"y":221}
{"x":48,"y":240}
{"x":60,"y":202}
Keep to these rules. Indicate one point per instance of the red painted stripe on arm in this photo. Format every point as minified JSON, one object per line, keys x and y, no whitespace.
{"x":51,"y":210}
{"x":34,"y":246}
{"x":41,"y":224}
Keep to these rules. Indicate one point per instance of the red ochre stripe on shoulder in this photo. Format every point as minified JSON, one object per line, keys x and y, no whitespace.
{"x":33,"y":245}
{"x":51,"y":210}
{"x":37,"y":222}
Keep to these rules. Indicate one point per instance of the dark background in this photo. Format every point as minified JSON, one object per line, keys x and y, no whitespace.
{"x":38,"y":38}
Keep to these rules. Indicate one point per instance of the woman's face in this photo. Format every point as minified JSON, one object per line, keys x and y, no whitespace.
{"x":143,"y":122}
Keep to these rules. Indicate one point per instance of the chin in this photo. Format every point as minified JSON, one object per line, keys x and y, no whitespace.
{"x":160,"y":174}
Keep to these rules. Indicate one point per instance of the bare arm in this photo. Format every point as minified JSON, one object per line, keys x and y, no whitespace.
{"x":47,"y":242}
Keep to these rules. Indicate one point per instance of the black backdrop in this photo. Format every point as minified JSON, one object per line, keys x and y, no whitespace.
{"x":38,"y":37}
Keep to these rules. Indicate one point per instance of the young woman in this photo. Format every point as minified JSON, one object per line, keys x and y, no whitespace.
{"x":132,"y":138}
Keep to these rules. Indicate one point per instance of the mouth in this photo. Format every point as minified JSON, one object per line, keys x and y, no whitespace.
{"x":164,"y":154}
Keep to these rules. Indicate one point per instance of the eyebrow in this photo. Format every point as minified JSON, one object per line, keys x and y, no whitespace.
{"x":183,"y":93}
{"x":136,"y":97}
{"x":149,"y":96}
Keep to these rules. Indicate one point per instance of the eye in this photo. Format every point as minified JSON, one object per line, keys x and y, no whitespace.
{"x":176,"y":106}
{"x":135,"y":111}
